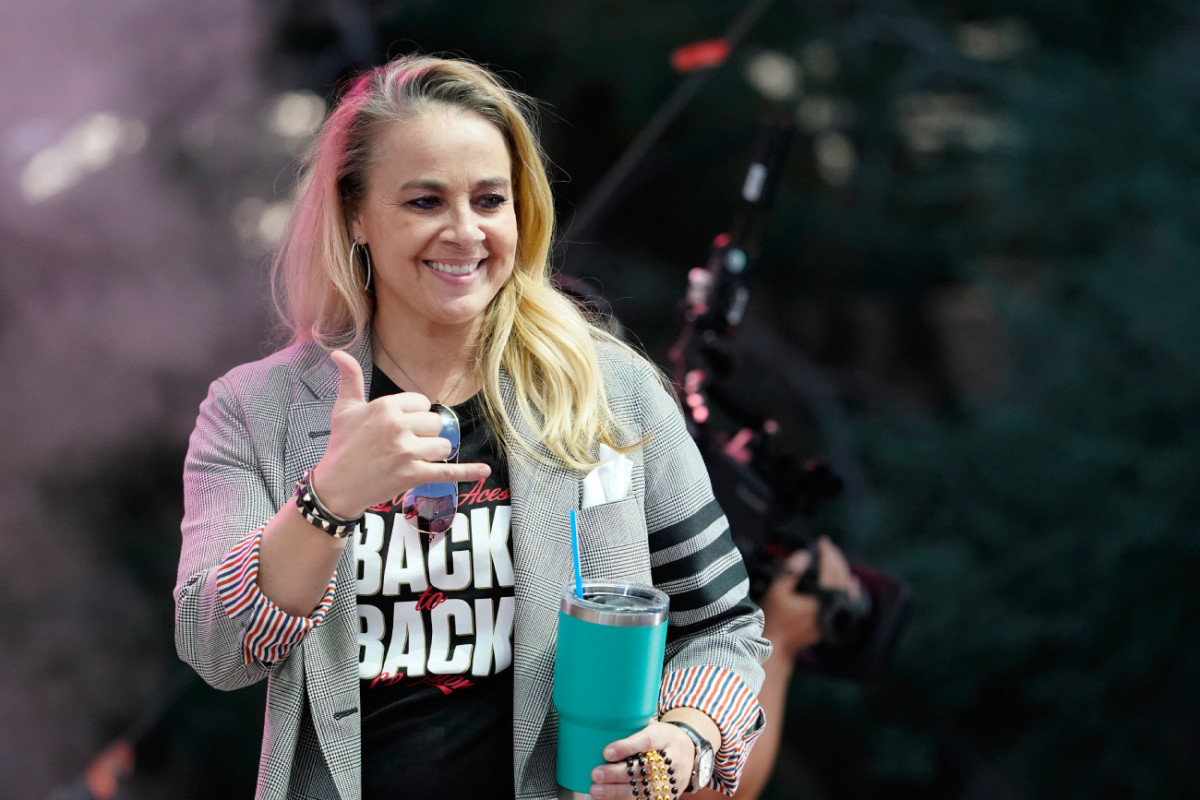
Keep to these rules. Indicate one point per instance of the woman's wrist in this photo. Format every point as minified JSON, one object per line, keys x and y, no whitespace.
{"x":317,"y":514}
{"x":698,"y":720}
{"x":330,"y":498}
{"x":698,"y":735}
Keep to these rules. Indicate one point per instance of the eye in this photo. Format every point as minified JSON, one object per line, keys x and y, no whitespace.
{"x":425,"y":203}
{"x":491,"y":202}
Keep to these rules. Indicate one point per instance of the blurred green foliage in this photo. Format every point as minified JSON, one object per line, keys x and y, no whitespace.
{"x":1047,"y":527}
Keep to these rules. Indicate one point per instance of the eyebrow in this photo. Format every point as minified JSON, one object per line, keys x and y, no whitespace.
{"x":428,"y":183}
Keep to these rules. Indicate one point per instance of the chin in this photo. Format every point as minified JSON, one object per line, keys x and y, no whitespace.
{"x":457,"y":316}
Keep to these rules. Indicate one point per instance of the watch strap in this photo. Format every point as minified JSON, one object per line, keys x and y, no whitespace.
{"x":701,"y":744}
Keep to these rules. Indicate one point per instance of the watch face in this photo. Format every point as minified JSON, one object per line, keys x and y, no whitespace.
{"x":704,"y":769}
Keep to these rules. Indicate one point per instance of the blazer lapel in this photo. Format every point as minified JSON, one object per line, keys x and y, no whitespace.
{"x":542,"y":499}
{"x":308,"y":418}
{"x":330,"y":666}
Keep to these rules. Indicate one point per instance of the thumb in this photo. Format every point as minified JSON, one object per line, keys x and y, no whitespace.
{"x":796,"y":564}
{"x":792,"y":569}
{"x":350,"y":377}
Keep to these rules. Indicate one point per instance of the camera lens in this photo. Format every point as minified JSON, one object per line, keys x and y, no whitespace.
{"x":840,"y":617}
{"x":836,"y":619}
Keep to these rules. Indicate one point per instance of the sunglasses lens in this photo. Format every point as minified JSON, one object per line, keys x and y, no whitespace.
{"x":431,"y":507}
{"x":450,"y":431}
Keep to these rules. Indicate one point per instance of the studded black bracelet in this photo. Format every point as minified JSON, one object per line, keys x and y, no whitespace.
{"x":313,"y":510}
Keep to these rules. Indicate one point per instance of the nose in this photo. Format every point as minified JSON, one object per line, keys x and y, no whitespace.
{"x":464,"y":228}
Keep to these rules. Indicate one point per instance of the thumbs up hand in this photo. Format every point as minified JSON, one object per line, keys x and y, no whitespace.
{"x":382,"y":448}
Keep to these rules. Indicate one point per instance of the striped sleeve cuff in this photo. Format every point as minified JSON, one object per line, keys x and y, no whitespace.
{"x":725,"y":698}
{"x":270,"y":633}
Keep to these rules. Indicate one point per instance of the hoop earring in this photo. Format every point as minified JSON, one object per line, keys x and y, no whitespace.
{"x":355,"y":248}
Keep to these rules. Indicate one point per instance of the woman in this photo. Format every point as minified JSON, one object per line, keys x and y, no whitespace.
{"x":403,"y":645}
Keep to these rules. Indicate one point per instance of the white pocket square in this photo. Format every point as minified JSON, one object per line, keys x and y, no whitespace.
{"x":612,"y":480}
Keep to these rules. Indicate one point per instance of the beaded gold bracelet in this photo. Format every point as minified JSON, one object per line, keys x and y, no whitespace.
{"x":655,"y":774}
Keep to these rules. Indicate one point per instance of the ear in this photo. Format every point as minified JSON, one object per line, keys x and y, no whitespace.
{"x":354,"y":223}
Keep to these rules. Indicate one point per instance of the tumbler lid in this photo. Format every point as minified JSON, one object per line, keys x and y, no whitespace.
{"x":627,"y":605}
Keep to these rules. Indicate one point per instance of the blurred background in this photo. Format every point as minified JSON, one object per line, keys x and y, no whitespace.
{"x":978,"y":289}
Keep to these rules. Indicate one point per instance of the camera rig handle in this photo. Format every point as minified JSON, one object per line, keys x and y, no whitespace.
{"x":718,"y":292}
{"x":703,"y":355}
{"x":766,"y":492}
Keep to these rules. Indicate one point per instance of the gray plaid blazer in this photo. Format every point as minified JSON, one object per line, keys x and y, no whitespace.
{"x":264,"y":423}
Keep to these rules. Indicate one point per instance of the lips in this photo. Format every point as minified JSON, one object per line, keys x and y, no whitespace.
{"x":454,"y":269}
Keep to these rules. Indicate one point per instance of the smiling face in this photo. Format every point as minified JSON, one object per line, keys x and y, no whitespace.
{"x":439,"y":219}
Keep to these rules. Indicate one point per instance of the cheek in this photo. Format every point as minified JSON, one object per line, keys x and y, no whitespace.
{"x":509,"y":230}
{"x":503,"y":241}
{"x":513,"y":238}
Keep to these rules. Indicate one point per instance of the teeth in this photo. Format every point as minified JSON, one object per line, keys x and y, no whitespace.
{"x":454,"y":269}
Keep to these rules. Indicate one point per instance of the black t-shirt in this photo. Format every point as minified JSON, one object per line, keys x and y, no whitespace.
{"x":435,"y":618}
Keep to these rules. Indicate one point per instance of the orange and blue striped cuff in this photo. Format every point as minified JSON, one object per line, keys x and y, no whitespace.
{"x":725,"y":698}
{"x":270,"y":633}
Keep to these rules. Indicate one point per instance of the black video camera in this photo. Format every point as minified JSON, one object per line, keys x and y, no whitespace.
{"x":769,"y":504}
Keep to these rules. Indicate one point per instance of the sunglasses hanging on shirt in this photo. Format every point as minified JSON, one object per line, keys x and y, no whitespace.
{"x":431,"y":507}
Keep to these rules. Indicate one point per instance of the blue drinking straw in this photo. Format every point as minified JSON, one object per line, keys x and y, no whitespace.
{"x":575,"y":553}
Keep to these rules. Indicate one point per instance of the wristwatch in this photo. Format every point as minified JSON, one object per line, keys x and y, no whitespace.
{"x":702,"y":764}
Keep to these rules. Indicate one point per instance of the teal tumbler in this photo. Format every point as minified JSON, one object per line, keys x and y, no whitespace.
{"x":607,"y":672}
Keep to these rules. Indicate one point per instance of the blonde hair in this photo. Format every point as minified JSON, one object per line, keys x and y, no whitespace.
{"x":530,"y":329}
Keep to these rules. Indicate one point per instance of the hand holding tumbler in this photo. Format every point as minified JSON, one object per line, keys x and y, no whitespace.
{"x":607,"y":672}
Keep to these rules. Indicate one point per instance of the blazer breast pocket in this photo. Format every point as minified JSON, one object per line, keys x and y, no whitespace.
{"x":613,"y":542}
